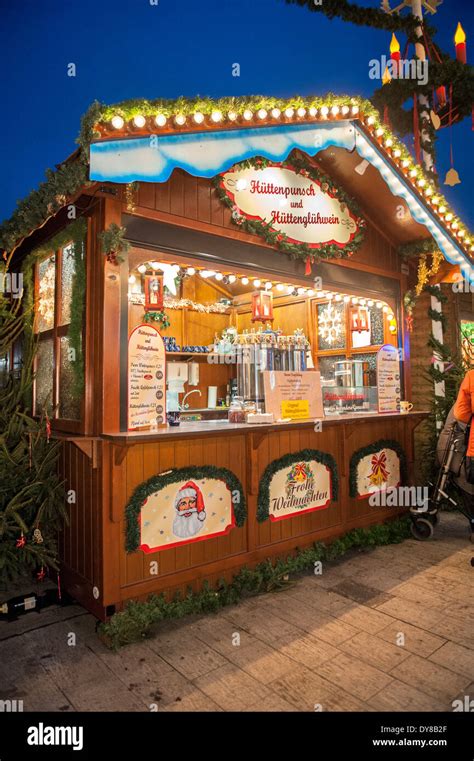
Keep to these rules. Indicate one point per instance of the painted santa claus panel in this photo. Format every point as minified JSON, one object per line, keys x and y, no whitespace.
{"x":184,"y":512}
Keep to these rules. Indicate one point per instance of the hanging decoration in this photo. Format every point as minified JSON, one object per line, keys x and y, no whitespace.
{"x":452,"y":176}
{"x":299,"y":482}
{"x":425,"y":272}
{"x":376,"y":467}
{"x":131,"y":195}
{"x":293,"y":207}
{"x":184,"y":505}
{"x":359,"y":319}
{"x":154,"y":292}
{"x":262,"y":306}
{"x":114,"y":245}
{"x":157,"y":316}
{"x":330,"y":323}
{"x":194,"y":306}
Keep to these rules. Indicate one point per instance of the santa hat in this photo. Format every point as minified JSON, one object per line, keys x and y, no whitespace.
{"x":189,"y":489}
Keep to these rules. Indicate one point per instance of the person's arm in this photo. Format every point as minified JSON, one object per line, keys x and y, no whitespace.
{"x":464,"y":402}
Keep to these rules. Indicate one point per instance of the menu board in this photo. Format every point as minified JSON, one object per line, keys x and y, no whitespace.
{"x":293,"y":395}
{"x":146,"y":378}
{"x":388,"y":379}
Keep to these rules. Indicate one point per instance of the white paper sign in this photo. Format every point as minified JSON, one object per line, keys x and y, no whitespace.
{"x":388,"y":379}
{"x":292,"y":204}
{"x":146,"y":378}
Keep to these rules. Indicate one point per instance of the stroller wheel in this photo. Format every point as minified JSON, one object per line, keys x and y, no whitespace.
{"x":422,"y":529}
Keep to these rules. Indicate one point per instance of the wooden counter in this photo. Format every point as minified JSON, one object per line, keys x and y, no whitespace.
{"x":103,"y":472}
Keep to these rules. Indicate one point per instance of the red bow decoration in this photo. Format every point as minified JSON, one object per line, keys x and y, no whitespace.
{"x":379,"y":473}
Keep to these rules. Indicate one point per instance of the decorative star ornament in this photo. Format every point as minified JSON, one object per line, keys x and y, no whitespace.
{"x":170,"y":272}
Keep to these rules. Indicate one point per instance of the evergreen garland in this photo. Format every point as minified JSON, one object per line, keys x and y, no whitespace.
{"x":285,"y":462}
{"x":114,"y":244}
{"x":159,"y":482}
{"x":372,"y":449}
{"x":280,"y":239}
{"x":138,"y":619}
{"x":356,"y":14}
{"x":417,"y":248}
{"x":159,"y":317}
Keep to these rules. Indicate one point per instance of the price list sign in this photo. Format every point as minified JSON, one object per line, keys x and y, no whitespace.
{"x":146,"y":378}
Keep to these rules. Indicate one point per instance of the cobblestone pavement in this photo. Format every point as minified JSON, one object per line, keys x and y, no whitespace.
{"x":390,"y":629}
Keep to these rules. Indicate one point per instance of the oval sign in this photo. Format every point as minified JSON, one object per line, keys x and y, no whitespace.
{"x":292,"y":203}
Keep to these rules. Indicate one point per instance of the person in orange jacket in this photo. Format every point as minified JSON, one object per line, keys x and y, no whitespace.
{"x":464,"y":407}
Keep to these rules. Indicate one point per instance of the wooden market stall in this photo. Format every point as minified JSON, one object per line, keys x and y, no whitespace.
{"x":175,"y":236}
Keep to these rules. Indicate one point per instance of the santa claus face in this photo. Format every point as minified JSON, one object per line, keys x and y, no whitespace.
{"x":187,"y":505}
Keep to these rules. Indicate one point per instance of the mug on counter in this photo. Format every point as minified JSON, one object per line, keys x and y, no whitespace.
{"x":405,"y":407}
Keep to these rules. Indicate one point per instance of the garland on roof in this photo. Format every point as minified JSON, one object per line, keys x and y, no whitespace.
{"x":418,"y":247}
{"x":280,"y":239}
{"x":159,"y":482}
{"x":53,"y":194}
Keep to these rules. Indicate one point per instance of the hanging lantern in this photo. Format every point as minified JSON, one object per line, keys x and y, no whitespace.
{"x":262,"y":306}
{"x":359,"y":319}
{"x":153,"y":292}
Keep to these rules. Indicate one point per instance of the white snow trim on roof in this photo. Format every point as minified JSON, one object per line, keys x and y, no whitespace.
{"x":205,"y":154}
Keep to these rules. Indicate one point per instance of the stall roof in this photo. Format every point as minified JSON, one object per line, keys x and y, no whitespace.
{"x":146,"y":140}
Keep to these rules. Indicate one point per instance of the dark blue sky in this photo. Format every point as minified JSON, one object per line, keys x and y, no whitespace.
{"x":129,"y":48}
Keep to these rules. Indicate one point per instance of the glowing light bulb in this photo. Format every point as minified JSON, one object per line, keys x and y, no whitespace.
{"x":280,"y":287}
{"x":338,"y":297}
{"x":257,"y":283}
{"x":355,"y":110}
{"x":442,"y":209}
{"x":413,"y":172}
{"x":160,"y":120}
{"x":155,"y":265}
{"x":385,"y":309}
{"x":405,"y":163}
{"x":247,"y":114}
{"x":131,"y":279}
{"x":370,"y":303}
{"x":289,"y":112}
{"x":310,"y":292}
{"x":379,"y":131}
{"x":219,"y":276}
{"x":139,"y":121}
{"x":313,"y":111}
{"x":216,"y":116}
{"x":347,"y":299}
{"x":422,"y":182}
{"x":207,"y":273}
{"x":345,"y":110}
{"x":262,"y":113}
{"x":355,"y":300}
{"x":276,"y":113}
{"x":389,"y":142}
{"x":300,"y":291}
{"x":379,"y":305}
{"x":142,"y":269}
{"x":232,"y":278}
{"x":244,"y":281}
{"x":397,"y":153}
{"x":449,"y":217}
{"x":335,"y":110}
{"x":232,"y":116}
{"x":191,"y":271}
{"x":301,"y":112}
{"x":268,"y":285}
{"x":370,"y":120}
{"x":324,"y":110}
{"x":117,"y":122}
{"x":180,"y":119}
{"x":198,"y":117}
{"x":290,"y":289}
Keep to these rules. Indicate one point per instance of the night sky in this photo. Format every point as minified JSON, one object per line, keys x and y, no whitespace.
{"x":130,"y":48}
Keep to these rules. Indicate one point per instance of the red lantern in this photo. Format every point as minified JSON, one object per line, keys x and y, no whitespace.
{"x":359,"y":319}
{"x":262,"y":306}
{"x":153,"y":292}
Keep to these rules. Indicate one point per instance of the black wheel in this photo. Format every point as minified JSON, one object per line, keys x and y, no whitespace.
{"x":422,"y":529}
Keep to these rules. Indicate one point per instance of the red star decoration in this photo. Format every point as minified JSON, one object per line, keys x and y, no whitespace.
{"x":21,"y":542}
{"x":41,"y":574}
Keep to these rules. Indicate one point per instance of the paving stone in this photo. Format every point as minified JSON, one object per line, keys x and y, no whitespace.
{"x":307,"y":690}
{"x":189,"y":656}
{"x":398,"y":696}
{"x":261,"y":661}
{"x":360,"y":593}
{"x":104,"y":695}
{"x":413,"y":592}
{"x":417,"y":640}
{"x":412,"y":612}
{"x":456,"y":629}
{"x":271,"y":704}
{"x":354,"y":676}
{"x":321,"y":625}
{"x":195,"y":701}
{"x":231,"y":688}
{"x":429,"y":678}
{"x":262,"y":625}
{"x":455,"y":658}
{"x":307,"y":650}
{"x":220,"y":634}
{"x":367,"y":619}
{"x":374,"y":651}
